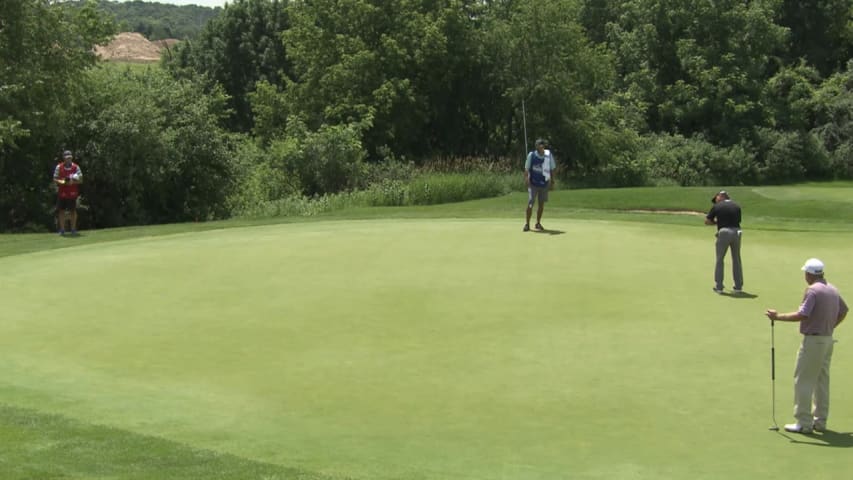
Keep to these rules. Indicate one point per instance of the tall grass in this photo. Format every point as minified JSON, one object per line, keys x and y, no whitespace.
{"x":425,"y":188}
{"x":436,"y":188}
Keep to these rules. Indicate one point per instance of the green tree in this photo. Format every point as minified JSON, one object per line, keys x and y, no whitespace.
{"x":391,"y":63}
{"x":154,"y":148}
{"x":237,"y":49}
{"x":832,"y":107}
{"x":821,"y":33}
{"x":789,"y":95}
{"x":545,"y":62}
{"x":44,"y":49}
{"x":700,"y":66}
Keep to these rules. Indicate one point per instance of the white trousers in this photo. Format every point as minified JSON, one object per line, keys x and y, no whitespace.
{"x":811,"y":380}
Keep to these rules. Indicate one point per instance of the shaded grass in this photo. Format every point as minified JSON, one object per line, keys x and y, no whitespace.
{"x":41,"y":446}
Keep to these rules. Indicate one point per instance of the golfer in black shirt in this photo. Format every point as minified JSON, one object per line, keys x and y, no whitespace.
{"x":725,"y":214}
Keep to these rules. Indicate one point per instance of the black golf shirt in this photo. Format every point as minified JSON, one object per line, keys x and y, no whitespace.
{"x":726,"y":213}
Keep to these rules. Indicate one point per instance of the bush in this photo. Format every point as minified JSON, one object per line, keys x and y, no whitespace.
{"x":792,"y":156}
{"x":260,"y":178}
{"x":693,"y":161}
{"x":390,"y":169}
{"x":153,"y":149}
{"x":327,"y":161}
{"x":388,"y":193}
{"x":842,"y":161}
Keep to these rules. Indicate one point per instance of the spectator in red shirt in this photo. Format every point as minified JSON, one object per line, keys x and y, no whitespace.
{"x":68,"y":176}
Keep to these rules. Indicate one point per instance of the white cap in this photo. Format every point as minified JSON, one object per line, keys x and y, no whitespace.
{"x":813,"y":266}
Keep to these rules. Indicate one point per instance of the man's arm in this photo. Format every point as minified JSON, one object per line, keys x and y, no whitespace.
{"x":842,"y":312}
{"x":553,"y":179}
{"x":711,"y":218}
{"x":56,"y":178}
{"x":785,"y":317}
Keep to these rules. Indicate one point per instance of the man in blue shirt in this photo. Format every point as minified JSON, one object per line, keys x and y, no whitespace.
{"x":538,"y":175}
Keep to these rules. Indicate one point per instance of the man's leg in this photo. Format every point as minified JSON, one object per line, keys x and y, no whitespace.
{"x":73,"y":214}
{"x":737,"y":268}
{"x":529,"y":209}
{"x":722,"y":245}
{"x":810,"y":360}
{"x":821,"y":393}
{"x":542,"y":198}
{"x":63,"y":217}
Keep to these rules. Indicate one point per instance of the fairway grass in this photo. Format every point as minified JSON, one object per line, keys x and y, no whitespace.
{"x":424,"y":348}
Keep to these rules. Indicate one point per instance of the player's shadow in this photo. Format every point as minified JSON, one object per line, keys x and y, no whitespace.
{"x":548,"y":232}
{"x":741,"y":295}
{"x":828,"y":438}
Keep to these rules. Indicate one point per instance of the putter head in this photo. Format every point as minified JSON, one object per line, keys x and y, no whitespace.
{"x":774,"y":428}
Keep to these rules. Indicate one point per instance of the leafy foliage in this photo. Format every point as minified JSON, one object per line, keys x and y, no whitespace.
{"x":832,"y":106}
{"x":701,"y":65}
{"x":154,"y":149}
{"x":44,"y":48}
{"x":236,"y":50}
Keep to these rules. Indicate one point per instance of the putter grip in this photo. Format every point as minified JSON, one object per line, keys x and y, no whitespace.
{"x":772,"y":363}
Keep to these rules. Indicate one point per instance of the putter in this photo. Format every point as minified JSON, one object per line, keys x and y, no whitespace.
{"x":775,"y":426}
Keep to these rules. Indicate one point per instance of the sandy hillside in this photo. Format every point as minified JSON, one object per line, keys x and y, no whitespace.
{"x":132,"y":47}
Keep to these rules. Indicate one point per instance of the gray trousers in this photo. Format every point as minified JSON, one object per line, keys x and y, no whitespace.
{"x":728,"y":238}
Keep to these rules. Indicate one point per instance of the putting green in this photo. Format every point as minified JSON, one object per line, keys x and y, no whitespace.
{"x":431,"y":348}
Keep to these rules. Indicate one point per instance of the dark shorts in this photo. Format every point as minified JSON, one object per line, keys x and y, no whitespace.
{"x":534,"y":193}
{"x":68,"y":204}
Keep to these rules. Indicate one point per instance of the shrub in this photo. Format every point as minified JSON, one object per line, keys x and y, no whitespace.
{"x":693,"y":161}
{"x":329,"y":160}
{"x":792,"y":156}
{"x":842,"y":161}
{"x":260,"y":177}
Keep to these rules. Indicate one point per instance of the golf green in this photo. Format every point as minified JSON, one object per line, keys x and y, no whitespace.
{"x":432,"y":348}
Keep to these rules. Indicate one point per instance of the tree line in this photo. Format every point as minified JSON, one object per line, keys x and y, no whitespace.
{"x":157,"y":21}
{"x":275,"y":98}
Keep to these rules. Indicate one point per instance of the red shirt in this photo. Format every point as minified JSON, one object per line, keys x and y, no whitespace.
{"x":64,"y":172}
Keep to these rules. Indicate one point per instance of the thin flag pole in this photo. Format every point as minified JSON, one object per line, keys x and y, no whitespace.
{"x":524,"y":121}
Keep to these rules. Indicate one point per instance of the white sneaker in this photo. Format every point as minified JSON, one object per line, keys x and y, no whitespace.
{"x":797,"y":428}
{"x":718,"y":290}
{"x":819,"y":427}
{"x":737,"y":291}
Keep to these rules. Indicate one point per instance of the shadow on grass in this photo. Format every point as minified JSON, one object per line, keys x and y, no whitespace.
{"x":828,"y":438}
{"x":548,"y":232}
{"x":741,"y":295}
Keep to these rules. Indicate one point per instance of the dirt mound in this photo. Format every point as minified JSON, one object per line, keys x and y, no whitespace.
{"x":133,"y":47}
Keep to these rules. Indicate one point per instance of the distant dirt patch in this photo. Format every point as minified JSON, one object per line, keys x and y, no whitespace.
{"x":133,"y":47}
